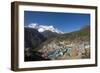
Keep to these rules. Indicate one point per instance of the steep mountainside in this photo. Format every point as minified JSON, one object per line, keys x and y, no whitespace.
{"x":50,"y":34}
{"x":33,"y":38}
{"x":31,"y":41}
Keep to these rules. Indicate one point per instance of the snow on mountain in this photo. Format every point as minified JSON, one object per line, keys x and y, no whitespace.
{"x":42,"y":28}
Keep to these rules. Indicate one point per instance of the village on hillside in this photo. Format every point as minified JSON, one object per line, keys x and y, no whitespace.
{"x":66,"y":50}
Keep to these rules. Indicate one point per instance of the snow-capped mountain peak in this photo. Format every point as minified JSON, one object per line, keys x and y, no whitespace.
{"x":33,"y":25}
{"x":42,"y":28}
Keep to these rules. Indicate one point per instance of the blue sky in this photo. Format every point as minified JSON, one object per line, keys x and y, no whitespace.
{"x":65,"y":22}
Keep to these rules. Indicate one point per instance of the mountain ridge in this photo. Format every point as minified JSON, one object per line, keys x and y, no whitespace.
{"x":42,"y":28}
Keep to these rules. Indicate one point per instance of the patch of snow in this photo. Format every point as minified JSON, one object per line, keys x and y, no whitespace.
{"x":42,"y":28}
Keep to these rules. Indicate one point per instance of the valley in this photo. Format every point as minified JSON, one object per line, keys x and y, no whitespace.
{"x":49,"y":45}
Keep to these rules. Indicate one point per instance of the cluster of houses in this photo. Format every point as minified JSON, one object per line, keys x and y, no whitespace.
{"x":54,"y":50}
